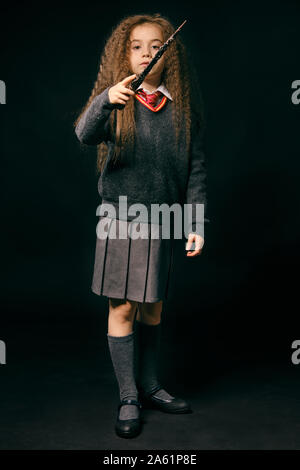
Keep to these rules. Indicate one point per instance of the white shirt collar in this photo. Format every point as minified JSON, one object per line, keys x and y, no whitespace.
{"x":161,"y":88}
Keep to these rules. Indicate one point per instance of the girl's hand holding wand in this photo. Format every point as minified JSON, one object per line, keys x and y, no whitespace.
{"x":199,"y":242}
{"x":118,"y":93}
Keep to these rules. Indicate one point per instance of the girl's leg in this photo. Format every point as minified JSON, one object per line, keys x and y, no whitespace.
{"x":149,"y":313}
{"x":121,"y":316}
{"x":148,"y":328}
{"x":121,"y":345}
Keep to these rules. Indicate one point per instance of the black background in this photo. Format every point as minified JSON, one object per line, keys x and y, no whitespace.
{"x":235,"y":307}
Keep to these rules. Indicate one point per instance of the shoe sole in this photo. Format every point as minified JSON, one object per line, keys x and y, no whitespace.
{"x":155,"y":406}
{"x":128,"y":434}
{"x":184,"y":410}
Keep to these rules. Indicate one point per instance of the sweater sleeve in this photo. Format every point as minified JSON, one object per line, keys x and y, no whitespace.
{"x":197,"y":180}
{"x":93,"y":127}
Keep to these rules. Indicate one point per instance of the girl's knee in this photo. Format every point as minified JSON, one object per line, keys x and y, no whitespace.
{"x":123,"y":309}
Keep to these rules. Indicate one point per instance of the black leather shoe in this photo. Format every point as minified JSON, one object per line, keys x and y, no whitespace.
{"x":172,"y":405}
{"x":128,"y":427}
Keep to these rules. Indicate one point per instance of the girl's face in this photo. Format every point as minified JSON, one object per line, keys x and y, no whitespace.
{"x":145,"y":40}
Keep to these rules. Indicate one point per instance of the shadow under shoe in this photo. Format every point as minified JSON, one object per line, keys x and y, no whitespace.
{"x":172,"y":405}
{"x":128,"y":427}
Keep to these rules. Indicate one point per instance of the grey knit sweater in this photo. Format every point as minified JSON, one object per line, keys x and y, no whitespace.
{"x":157,"y":172}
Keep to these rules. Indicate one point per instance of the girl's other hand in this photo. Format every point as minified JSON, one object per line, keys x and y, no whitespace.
{"x":119,"y":93}
{"x":199,"y":242}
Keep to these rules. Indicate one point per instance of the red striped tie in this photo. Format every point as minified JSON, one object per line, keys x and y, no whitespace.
{"x":150,"y":98}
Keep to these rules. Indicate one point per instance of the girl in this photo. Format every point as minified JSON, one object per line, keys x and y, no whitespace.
{"x":150,"y":151}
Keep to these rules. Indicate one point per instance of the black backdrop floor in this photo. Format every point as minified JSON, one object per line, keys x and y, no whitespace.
{"x":59,"y":392}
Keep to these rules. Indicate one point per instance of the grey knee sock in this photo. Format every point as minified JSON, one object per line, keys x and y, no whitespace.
{"x":148,"y":342}
{"x":122,"y":355}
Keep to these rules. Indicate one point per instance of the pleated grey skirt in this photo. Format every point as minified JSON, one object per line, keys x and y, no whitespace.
{"x":132,"y":268}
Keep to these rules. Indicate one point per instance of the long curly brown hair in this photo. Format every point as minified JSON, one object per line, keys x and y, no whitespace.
{"x":179,"y":77}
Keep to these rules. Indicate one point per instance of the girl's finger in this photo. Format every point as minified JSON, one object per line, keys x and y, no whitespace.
{"x":127,"y":90}
{"x":128,"y":79}
{"x":121,"y":96}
